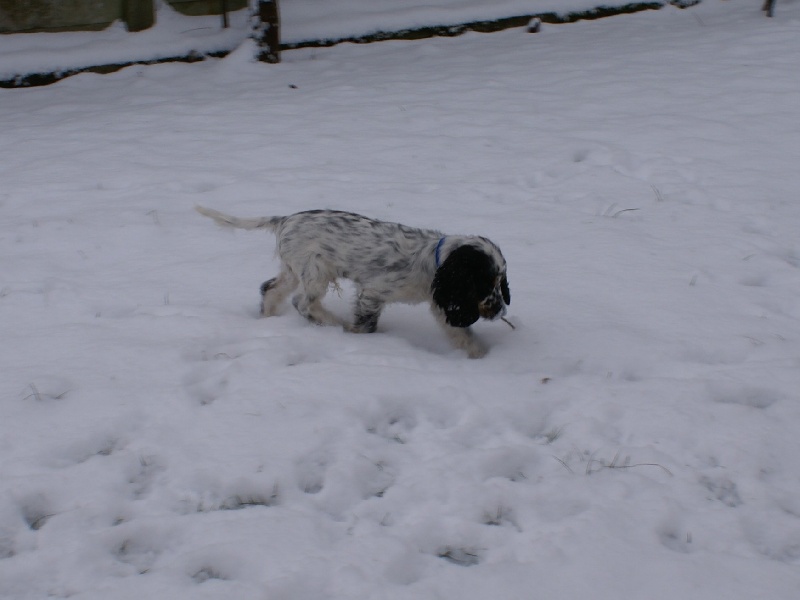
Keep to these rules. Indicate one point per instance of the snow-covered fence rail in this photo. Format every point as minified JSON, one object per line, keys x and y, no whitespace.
{"x":488,"y":25}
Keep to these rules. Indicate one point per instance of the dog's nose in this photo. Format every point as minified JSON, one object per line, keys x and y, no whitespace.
{"x":493,"y":307}
{"x":500,"y":311}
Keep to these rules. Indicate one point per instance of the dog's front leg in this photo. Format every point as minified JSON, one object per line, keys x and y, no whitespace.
{"x":460,"y":337}
{"x":367,"y":312}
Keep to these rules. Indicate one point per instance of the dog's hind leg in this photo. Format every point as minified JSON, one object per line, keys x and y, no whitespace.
{"x":309,"y":304}
{"x":275,"y":291}
{"x":314,"y":282}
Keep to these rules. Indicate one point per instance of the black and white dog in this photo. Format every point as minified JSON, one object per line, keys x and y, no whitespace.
{"x":462,"y":277}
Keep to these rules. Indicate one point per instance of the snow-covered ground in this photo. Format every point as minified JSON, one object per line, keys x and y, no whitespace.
{"x":636,"y":436}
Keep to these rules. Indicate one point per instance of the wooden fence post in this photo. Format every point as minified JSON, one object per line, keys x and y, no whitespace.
{"x":268,"y":32}
{"x":224,"y":11}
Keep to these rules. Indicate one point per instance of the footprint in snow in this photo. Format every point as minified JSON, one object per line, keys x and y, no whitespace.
{"x":722,"y":489}
{"x":735,"y":393}
{"x":36,"y":510}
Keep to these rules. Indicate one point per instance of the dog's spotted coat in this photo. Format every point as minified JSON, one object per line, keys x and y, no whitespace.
{"x":462,"y":277}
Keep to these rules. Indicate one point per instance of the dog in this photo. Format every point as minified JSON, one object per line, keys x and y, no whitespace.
{"x":463,"y":278}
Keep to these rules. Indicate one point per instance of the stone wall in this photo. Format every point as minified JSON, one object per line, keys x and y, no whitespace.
{"x":23,"y":16}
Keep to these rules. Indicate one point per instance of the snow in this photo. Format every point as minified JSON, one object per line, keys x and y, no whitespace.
{"x":634,"y":437}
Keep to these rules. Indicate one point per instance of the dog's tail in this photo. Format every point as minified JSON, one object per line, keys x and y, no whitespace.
{"x":224,"y":220}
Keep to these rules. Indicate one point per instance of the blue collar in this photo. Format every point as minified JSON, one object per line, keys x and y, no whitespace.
{"x":439,"y":250}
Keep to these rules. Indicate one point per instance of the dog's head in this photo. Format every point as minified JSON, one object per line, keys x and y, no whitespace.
{"x":471,"y":283}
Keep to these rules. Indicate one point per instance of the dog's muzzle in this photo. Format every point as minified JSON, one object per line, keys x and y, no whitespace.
{"x":492,"y":307}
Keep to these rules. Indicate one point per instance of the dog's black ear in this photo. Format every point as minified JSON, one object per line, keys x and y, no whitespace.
{"x":505,"y":291}
{"x":454,"y":289}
